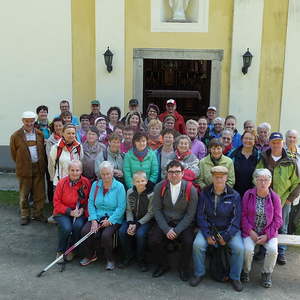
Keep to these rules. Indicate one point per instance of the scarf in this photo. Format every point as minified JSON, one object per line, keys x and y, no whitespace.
{"x":56,"y":136}
{"x":215,"y":161}
{"x":182,"y":156}
{"x":69,"y":147}
{"x":227,"y":149}
{"x":140,"y":154}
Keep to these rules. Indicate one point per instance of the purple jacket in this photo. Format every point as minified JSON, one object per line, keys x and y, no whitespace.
{"x":198,"y":148}
{"x":272,"y":210}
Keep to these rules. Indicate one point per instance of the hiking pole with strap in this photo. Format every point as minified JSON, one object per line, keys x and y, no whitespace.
{"x":65,"y":253}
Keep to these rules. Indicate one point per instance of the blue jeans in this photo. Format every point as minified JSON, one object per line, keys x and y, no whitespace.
{"x":236,"y":259}
{"x":284,"y":228}
{"x":65,"y":228}
{"x":127,"y":240}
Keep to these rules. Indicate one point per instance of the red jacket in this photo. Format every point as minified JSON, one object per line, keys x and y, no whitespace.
{"x":179,"y":124}
{"x":66,"y":196}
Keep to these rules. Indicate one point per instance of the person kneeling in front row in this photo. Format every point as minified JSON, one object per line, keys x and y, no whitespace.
{"x":220,"y":206}
{"x":174,"y":205}
{"x":139,"y":215}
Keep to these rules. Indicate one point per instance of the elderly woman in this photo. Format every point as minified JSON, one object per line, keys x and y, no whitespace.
{"x":261,"y":219}
{"x":70,"y":206}
{"x":198,"y":148}
{"x":66,"y":150}
{"x":113,"y":155}
{"x":101,"y":125}
{"x":216,"y":131}
{"x":91,"y":149}
{"x":140,"y":158}
{"x":169,"y":122}
{"x":226,"y":138}
{"x":134,"y":120}
{"x":106,"y":205}
{"x":183,"y":153}
{"x":113,"y":116}
{"x":215,"y":158}
{"x":230,"y":123}
{"x":263,"y":133}
{"x":245,"y":159}
{"x":152,"y":113}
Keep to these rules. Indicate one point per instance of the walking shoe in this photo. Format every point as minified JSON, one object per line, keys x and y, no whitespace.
{"x":110,"y":265}
{"x":24,"y":221}
{"x":195,"y":280}
{"x":266,"y":280}
{"x":58,"y":254}
{"x":245,"y":277}
{"x":69,"y":257}
{"x":237,"y":285}
{"x":281,"y":259}
{"x":51,"y":220}
{"x":160,"y":270}
{"x":86,"y":261}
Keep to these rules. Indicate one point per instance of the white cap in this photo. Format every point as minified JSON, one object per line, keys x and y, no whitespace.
{"x":212,"y":108}
{"x":171,"y":101}
{"x":28,"y":115}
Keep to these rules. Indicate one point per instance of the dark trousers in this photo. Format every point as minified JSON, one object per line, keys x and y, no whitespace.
{"x":66,"y":228}
{"x":102,"y":238}
{"x":158,"y":242}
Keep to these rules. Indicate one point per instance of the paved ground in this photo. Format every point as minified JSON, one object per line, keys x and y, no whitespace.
{"x":26,"y":250}
{"x":8,"y":182}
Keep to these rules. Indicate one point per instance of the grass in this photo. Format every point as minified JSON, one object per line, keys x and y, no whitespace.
{"x":9,"y":197}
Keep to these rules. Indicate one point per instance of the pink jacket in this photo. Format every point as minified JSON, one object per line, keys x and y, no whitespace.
{"x":272,"y":210}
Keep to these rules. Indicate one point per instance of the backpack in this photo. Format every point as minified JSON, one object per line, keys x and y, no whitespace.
{"x":187,"y":189}
{"x":219,"y":266}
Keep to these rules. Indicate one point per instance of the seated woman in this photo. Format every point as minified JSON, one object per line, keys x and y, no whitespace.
{"x":261,"y":219}
{"x":70,"y":206}
{"x":215,"y":158}
{"x":113,"y":155}
{"x":154,"y":134}
{"x":140,"y":158}
{"x":138,"y":222}
{"x":106,"y":205}
{"x":91,"y":149}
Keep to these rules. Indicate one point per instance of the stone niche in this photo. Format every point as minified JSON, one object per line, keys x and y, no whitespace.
{"x":197,"y":13}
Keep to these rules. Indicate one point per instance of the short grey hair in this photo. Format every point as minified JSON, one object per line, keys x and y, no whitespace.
{"x":192,"y":122}
{"x":264,"y":125}
{"x":140,"y":174}
{"x":261,"y":172}
{"x":75,"y":162}
{"x":227,"y":131}
{"x":106,"y":165}
{"x":219,"y":119}
{"x":183,"y":137}
{"x":291,"y":131}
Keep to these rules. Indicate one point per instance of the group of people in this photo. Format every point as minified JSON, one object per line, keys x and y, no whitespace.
{"x":156,"y":180}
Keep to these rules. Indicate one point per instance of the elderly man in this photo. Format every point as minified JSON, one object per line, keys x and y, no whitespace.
{"x":174,"y":206}
{"x":171,"y":110}
{"x":95,"y":112}
{"x":286,"y":182}
{"x":219,"y":210}
{"x":27,"y":150}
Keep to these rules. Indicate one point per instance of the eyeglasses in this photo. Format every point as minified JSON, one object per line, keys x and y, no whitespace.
{"x":174,"y":172}
{"x":226,"y":138}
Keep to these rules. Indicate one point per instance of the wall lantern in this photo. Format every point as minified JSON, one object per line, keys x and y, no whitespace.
{"x":108,"y":57}
{"x":247,"y":59}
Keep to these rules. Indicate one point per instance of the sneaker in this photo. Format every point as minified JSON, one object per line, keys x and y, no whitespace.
{"x":266,"y":280}
{"x":245,"y":277}
{"x":69,"y":257}
{"x":237,"y":285}
{"x":51,"y":220}
{"x":86,"y":261}
{"x":58,"y":254}
{"x":24,"y":221}
{"x":281,"y":259}
{"x":110,"y":265}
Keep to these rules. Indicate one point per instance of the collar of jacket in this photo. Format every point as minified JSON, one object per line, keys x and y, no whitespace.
{"x":210,"y":190}
{"x":113,"y":185}
{"x":284,"y":160}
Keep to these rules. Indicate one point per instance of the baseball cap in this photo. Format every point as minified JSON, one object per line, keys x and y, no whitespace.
{"x":134,"y":102}
{"x":171,"y":102}
{"x":95,"y":102}
{"x":275,"y":136}
{"x":219,"y":169}
{"x":28,"y":115}
{"x":212,"y":108}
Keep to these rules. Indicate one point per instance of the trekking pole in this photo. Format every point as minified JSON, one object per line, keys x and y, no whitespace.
{"x":65,"y":253}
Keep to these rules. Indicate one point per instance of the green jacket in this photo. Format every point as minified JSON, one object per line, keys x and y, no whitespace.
{"x":132,"y":165}
{"x":205,"y":166}
{"x":286,"y":182}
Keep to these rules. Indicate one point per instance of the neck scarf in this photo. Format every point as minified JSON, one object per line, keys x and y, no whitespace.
{"x":140,"y":154}
{"x":182,"y":156}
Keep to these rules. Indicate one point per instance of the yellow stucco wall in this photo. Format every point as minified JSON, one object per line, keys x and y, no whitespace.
{"x":83,"y":54}
{"x":138,"y":35}
{"x":272,"y":62}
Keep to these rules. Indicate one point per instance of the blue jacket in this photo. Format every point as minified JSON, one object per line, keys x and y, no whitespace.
{"x":113,"y":203}
{"x":236,"y":139}
{"x":226,"y":218}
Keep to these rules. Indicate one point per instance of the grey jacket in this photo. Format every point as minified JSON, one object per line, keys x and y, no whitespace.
{"x":179,"y":216}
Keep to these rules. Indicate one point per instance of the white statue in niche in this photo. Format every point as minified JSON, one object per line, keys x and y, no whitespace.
{"x":178,"y":9}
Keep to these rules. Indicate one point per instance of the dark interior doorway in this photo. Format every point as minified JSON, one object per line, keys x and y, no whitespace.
{"x":186,"y":81}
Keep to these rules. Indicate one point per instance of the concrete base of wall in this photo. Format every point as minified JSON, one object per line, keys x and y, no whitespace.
{"x":6,"y":162}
